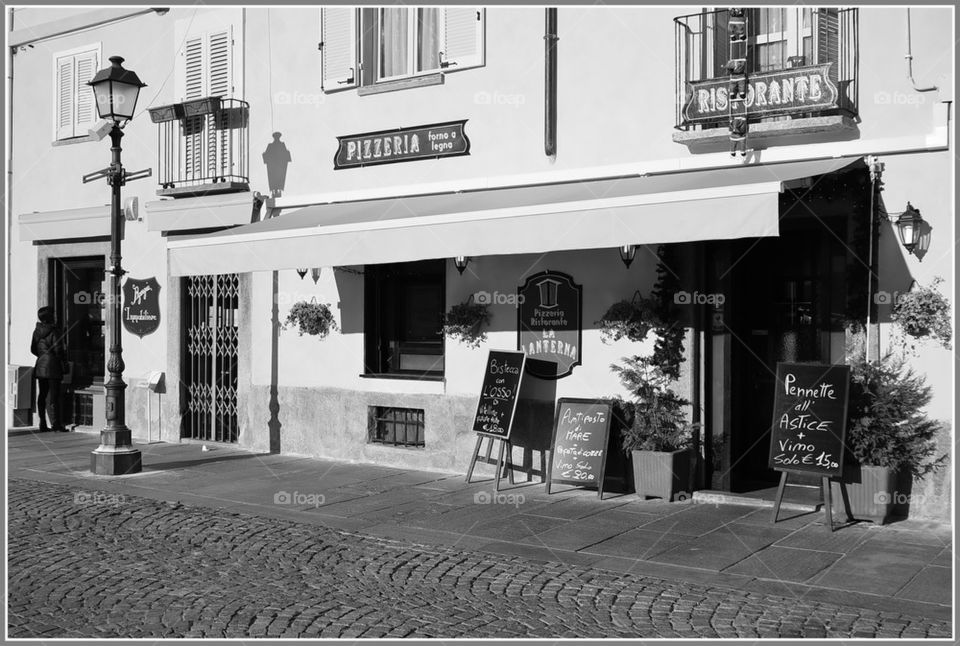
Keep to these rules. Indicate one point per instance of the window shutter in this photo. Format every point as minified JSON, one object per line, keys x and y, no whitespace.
{"x":220,"y":82}
{"x":66,"y":87}
{"x":86,"y":114}
{"x":828,"y":39}
{"x":338,"y":34}
{"x":462,"y":42}
{"x":193,"y":69}
{"x":721,"y":44}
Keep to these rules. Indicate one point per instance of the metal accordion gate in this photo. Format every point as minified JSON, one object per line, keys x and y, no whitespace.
{"x":210,"y":357}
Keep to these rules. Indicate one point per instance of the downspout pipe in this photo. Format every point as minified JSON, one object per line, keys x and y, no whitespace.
{"x":9,"y":153}
{"x":909,"y":58}
{"x":550,"y":39}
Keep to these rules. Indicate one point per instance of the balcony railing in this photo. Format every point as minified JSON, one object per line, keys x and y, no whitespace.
{"x":202,"y":146}
{"x":800,"y":62}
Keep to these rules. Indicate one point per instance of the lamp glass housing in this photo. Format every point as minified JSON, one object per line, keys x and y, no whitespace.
{"x":908,"y":226}
{"x":115,"y":91}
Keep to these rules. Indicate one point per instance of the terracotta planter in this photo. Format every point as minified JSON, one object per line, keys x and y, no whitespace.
{"x":662,"y":474}
{"x":871,"y":491}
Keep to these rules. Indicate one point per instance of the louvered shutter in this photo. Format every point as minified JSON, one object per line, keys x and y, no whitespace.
{"x":86,"y":111}
{"x":193,"y":66}
{"x":338,"y":38}
{"x":828,"y":39}
{"x":462,"y":42}
{"x":219,"y":77}
{"x":66,"y":90}
{"x":721,"y":45}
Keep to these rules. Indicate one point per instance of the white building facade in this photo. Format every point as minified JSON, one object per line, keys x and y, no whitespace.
{"x":348,"y":156}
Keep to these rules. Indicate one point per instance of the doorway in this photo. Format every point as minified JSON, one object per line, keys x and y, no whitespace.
{"x":789,"y":293}
{"x":210,"y":358}
{"x":77,"y":295}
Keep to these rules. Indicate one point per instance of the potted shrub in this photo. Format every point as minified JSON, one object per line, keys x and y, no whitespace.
{"x":656,"y":434}
{"x":464,"y":321}
{"x":311,"y":318}
{"x":888,"y":435}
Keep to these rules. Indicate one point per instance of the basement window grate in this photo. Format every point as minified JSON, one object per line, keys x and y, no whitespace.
{"x":396,"y":426}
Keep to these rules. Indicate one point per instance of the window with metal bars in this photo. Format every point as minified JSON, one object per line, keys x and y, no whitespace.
{"x":83,"y":409}
{"x":396,"y":426}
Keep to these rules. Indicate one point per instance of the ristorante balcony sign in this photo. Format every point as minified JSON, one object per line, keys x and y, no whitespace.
{"x":788,"y":91}
{"x":402,"y":144}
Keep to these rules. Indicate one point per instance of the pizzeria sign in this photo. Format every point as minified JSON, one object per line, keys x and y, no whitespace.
{"x":402,"y":144}
{"x":798,"y":89}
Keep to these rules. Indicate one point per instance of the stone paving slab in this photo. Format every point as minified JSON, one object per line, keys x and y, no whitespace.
{"x":580,"y":534}
{"x":944,"y":558}
{"x":636,"y":544}
{"x":697,"y":520}
{"x":933,"y":584}
{"x":866,"y":569}
{"x":722,"y":547}
{"x":785,"y":563}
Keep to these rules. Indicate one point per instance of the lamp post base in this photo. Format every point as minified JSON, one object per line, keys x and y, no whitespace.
{"x":115,"y":456}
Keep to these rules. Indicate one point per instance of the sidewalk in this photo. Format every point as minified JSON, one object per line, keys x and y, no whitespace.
{"x":902,"y":568}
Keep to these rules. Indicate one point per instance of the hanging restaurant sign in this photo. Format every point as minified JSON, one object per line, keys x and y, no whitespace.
{"x":549,"y":307}
{"x":798,"y":89}
{"x":402,"y":144}
{"x":141,"y":306}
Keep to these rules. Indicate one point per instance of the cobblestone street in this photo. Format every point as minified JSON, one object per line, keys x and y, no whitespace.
{"x":120,"y":566}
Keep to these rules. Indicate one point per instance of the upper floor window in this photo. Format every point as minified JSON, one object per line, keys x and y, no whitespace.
{"x":75,"y":110}
{"x":363,"y":47}
{"x":779,"y":35}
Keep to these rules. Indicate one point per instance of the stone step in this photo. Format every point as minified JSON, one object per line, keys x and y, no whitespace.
{"x":711,"y":497}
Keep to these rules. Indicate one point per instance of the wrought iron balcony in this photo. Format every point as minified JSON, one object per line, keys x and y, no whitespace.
{"x":800,"y":62}
{"x":202,"y":146}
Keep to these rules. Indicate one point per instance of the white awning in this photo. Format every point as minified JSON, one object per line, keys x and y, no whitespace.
{"x":740,"y":202}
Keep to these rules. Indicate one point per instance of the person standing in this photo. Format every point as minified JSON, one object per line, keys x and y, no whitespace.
{"x":47,"y":345}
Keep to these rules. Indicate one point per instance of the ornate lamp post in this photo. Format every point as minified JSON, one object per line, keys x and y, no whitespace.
{"x":115,"y":90}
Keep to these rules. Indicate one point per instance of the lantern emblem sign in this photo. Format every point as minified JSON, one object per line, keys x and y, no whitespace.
{"x":549,"y":325}
{"x":141,"y":306}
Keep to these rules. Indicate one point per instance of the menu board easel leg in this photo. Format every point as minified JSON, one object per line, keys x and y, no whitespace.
{"x":499,"y":464}
{"x":779,"y":498}
{"x":473,"y":460}
{"x":826,"y":502}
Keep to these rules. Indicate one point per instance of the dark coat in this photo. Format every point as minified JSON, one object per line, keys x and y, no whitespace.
{"x":47,"y":345}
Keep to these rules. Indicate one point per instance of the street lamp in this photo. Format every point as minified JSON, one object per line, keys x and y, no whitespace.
{"x":627,"y":253}
{"x":115,"y":90}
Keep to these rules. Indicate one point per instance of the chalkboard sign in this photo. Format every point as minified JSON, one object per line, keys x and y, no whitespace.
{"x":498,"y":395}
{"x":809,"y":418}
{"x":580,"y":431}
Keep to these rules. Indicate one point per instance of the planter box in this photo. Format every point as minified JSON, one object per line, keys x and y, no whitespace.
{"x":662,"y":474}
{"x":871,"y":491}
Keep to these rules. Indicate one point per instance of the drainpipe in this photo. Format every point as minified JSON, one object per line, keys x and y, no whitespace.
{"x":876,"y":170}
{"x":9,"y":151}
{"x":909,"y":58}
{"x":550,"y":83}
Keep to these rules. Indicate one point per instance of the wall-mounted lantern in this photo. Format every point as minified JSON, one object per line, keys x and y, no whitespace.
{"x":461,"y":263}
{"x":910,"y":227}
{"x":627,"y":253}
